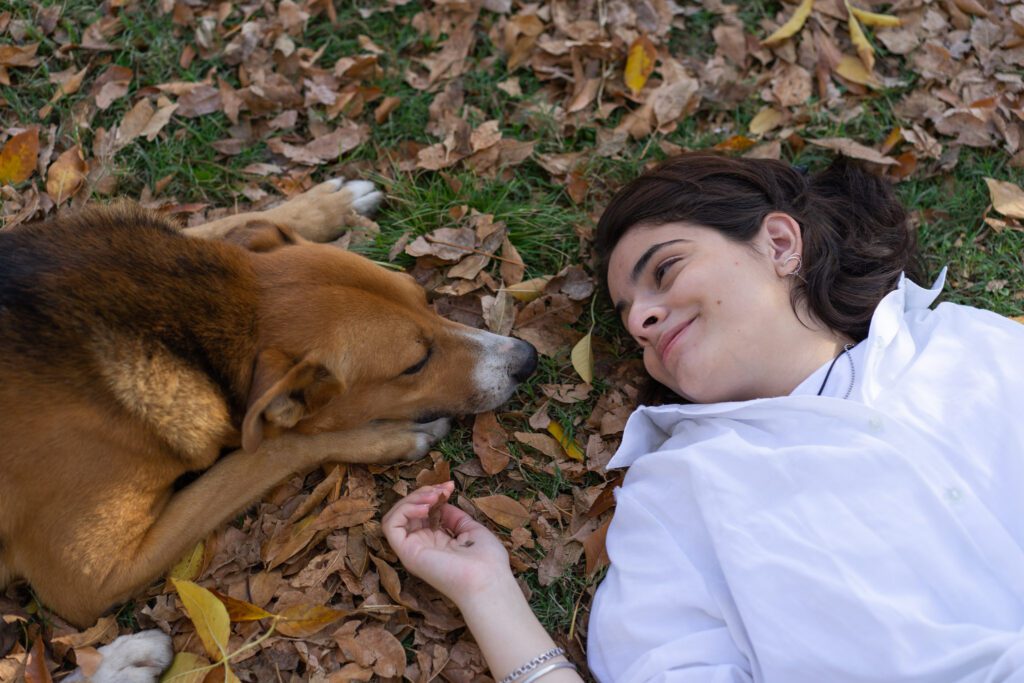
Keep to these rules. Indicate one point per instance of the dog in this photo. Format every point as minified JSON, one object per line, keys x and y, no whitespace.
{"x":133,"y":353}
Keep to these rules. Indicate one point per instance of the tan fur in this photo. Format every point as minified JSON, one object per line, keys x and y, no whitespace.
{"x":131,"y":355}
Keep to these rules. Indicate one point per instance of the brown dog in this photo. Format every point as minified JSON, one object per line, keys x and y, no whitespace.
{"x":131,"y":354}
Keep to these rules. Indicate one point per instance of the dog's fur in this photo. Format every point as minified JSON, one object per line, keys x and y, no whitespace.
{"x":131,"y":355}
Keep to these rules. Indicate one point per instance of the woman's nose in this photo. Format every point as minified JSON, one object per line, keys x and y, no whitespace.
{"x":641,"y":321}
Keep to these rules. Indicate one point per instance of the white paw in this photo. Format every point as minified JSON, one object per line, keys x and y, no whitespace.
{"x":365,"y":196}
{"x":428,"y":434}
{"x":136,"y":658}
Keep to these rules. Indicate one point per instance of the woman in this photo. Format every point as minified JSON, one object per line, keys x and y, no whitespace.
{"x":836,"y":496}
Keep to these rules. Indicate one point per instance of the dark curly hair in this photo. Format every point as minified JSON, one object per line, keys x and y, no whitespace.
{"x":856,"y":237}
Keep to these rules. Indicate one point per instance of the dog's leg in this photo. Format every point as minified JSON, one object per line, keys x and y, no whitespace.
{"x":236,"y":481}
{"x":317,"y":215}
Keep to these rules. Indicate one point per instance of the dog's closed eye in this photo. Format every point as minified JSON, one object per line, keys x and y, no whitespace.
{"x":412,"y":370}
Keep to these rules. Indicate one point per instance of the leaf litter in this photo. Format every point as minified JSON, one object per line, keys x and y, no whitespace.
{"x":304,"y":587}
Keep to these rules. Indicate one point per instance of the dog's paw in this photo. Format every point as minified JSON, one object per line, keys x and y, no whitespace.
{"x":136,"y":658}
{"x":365,"y":196}
{"x":428,"y":434}
{"x":323,"y":212}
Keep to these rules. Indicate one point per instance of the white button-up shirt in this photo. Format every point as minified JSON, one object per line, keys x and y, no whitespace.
{"x":811,"y":538}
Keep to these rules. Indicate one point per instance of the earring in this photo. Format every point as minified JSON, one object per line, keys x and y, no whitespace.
{"x":799,"y":263}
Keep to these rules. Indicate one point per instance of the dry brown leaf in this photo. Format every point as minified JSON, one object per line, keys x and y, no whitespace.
{"x":1007,"y":198}
{"x":302,"y":621}
{"x":489,"y":443}
{"x":344,"y":513}
{"x":65,"y":176}
{"x":542,"y":442}
{"x":503,"y":510}
{"x":594,"y":548}
{"x":36,"y":670}
{"x":854,"y":150}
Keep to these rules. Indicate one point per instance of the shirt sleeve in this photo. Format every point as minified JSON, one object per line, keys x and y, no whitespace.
{"x":654,"y":617}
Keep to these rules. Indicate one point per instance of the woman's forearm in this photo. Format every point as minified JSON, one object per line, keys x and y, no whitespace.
{"x":508,"y":632}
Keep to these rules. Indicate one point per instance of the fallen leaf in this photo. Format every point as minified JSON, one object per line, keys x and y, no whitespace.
{"x":35,"y":665}
{"x":302,"y":621}
{"x":65,"y":176}
{"x":852,"y":69}
{"x":640,"y":63}
{"x":189,"y":567}
{"x":186,"y":667}
{"x":208,"y":615}
{"x":528,"y":290}
{"x":854,"y":150}
{"x":792,"y":26}
{"x":765,"y":120}
{"x":594,"y":548}
{"x":874,"y":18}
{"x":18,"y":157}
{"x":503,"y":510}
{"x":240,"y":610}
{"x":1007,"y":198}
{"x":489,"y":443}
{"x":859,"y":40}
{"x":568,"y":444}
{"x":583,"y":359}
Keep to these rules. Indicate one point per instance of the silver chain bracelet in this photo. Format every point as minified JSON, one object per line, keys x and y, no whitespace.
{"x":533,"y":664}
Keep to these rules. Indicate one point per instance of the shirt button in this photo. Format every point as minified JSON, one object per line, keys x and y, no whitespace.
{"x":875,"y":424}
{"x":954,"y":495}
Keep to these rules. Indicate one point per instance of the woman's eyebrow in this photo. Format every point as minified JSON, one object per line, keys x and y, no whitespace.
{"x":647,"y":256}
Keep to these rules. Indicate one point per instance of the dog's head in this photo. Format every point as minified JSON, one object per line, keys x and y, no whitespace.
{"x":344,"y":341}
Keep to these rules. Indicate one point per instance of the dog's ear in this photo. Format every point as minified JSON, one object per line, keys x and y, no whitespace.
{"x":284,"y":392}
{"x":261,"y":236}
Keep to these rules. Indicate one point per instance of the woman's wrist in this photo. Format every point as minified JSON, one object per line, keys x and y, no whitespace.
{"x":501,"y":591}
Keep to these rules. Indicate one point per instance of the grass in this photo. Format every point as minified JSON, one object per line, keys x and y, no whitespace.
{"x":985,"y":265}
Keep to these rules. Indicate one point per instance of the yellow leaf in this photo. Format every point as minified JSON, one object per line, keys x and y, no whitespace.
{"x":528,"y":290}
{"x":18,"y":157}
{"x":209,"y":616}
{"x":583,"y":359}
{"x":791,"y":27}
{"x":301,"y":621}
{"x":875,"y":19}
{"x":186,"y":668}
{"x":188,"y":567}
{"x":859,"y":40}
{"x":765,"y":120}
{"x":240,"y":610}
{"x":1007,"y":198}
{"x":569,"y":445}
{"x":640,"y":63}
{"x":852,"y":69}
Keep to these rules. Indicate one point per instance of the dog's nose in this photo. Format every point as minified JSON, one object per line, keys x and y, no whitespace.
{"x":525,"y":359}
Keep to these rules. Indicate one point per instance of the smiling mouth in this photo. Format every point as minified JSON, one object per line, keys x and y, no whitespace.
{"x":669,"y":339}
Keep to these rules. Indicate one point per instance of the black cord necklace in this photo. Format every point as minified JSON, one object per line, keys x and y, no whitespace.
{"x":853,"y":372}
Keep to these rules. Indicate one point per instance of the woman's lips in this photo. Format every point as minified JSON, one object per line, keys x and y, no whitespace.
{"x":666,"y":343}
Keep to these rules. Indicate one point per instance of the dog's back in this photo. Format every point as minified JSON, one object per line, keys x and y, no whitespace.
{"x":117,"y":335}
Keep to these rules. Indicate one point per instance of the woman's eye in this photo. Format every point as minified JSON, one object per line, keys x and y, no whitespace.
{"x":659,"y":272}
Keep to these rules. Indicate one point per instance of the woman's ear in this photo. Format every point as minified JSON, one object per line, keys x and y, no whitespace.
{"x":783,"y":237}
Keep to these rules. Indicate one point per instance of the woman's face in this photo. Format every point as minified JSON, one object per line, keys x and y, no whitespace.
{"x":713,"y":316}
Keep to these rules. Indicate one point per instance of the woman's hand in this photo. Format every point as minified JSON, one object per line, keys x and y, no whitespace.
{"x":444,"y":546}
